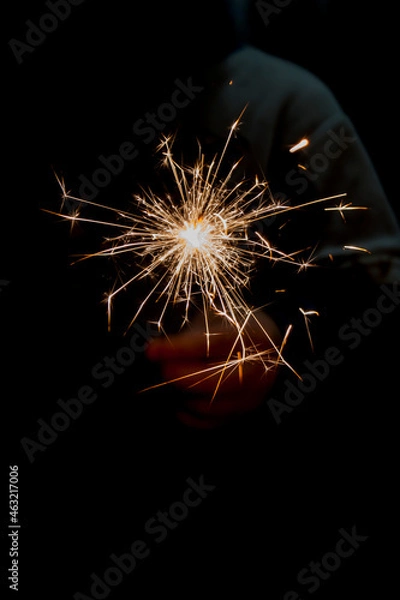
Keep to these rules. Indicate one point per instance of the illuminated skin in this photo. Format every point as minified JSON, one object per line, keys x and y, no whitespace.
{"x":184,"y":360}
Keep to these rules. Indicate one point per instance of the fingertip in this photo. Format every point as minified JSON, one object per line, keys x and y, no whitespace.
{"x":159,"y":349}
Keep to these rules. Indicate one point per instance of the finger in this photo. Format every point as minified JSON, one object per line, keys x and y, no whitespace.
{"x":177,"y":346}
{"x":185,"y":375}
{"x":196,"y":345}
{"x":201,"y":379}
{"x":197,"y":377}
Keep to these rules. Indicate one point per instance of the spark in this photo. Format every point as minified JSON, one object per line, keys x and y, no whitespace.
{"x":239,"y":357}
{"x":196,"y":246}
{"x":301,"y":144}
{"x":341,"y":208}
{"x":357,"y":249}
{"x":306,"y":314}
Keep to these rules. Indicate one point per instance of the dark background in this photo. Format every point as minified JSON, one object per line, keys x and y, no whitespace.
{"x":282,"y":493}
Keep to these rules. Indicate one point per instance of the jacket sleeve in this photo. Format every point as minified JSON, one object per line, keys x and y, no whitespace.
{"x":356,"y":251}
{"x":284,"y":104}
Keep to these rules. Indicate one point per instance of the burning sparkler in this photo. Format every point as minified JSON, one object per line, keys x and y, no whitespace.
{"x":196,"y":242}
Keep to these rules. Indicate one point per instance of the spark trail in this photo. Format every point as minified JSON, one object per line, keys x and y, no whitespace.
{"x":195,"y":245}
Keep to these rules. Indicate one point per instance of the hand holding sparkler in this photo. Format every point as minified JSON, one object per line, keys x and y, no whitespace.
{"x":196,"y":247}
{"x":191,"y":361}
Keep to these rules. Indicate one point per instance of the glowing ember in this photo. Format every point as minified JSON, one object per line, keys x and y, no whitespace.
{"x":195,"y":236}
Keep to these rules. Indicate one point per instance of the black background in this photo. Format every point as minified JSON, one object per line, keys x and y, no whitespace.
{"x":282,"y":493}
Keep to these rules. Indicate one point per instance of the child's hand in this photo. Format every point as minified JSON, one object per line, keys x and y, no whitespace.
{"x":186,"y":361}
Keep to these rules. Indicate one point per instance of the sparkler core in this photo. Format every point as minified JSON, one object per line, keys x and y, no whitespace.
{"x":195,"y":236}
